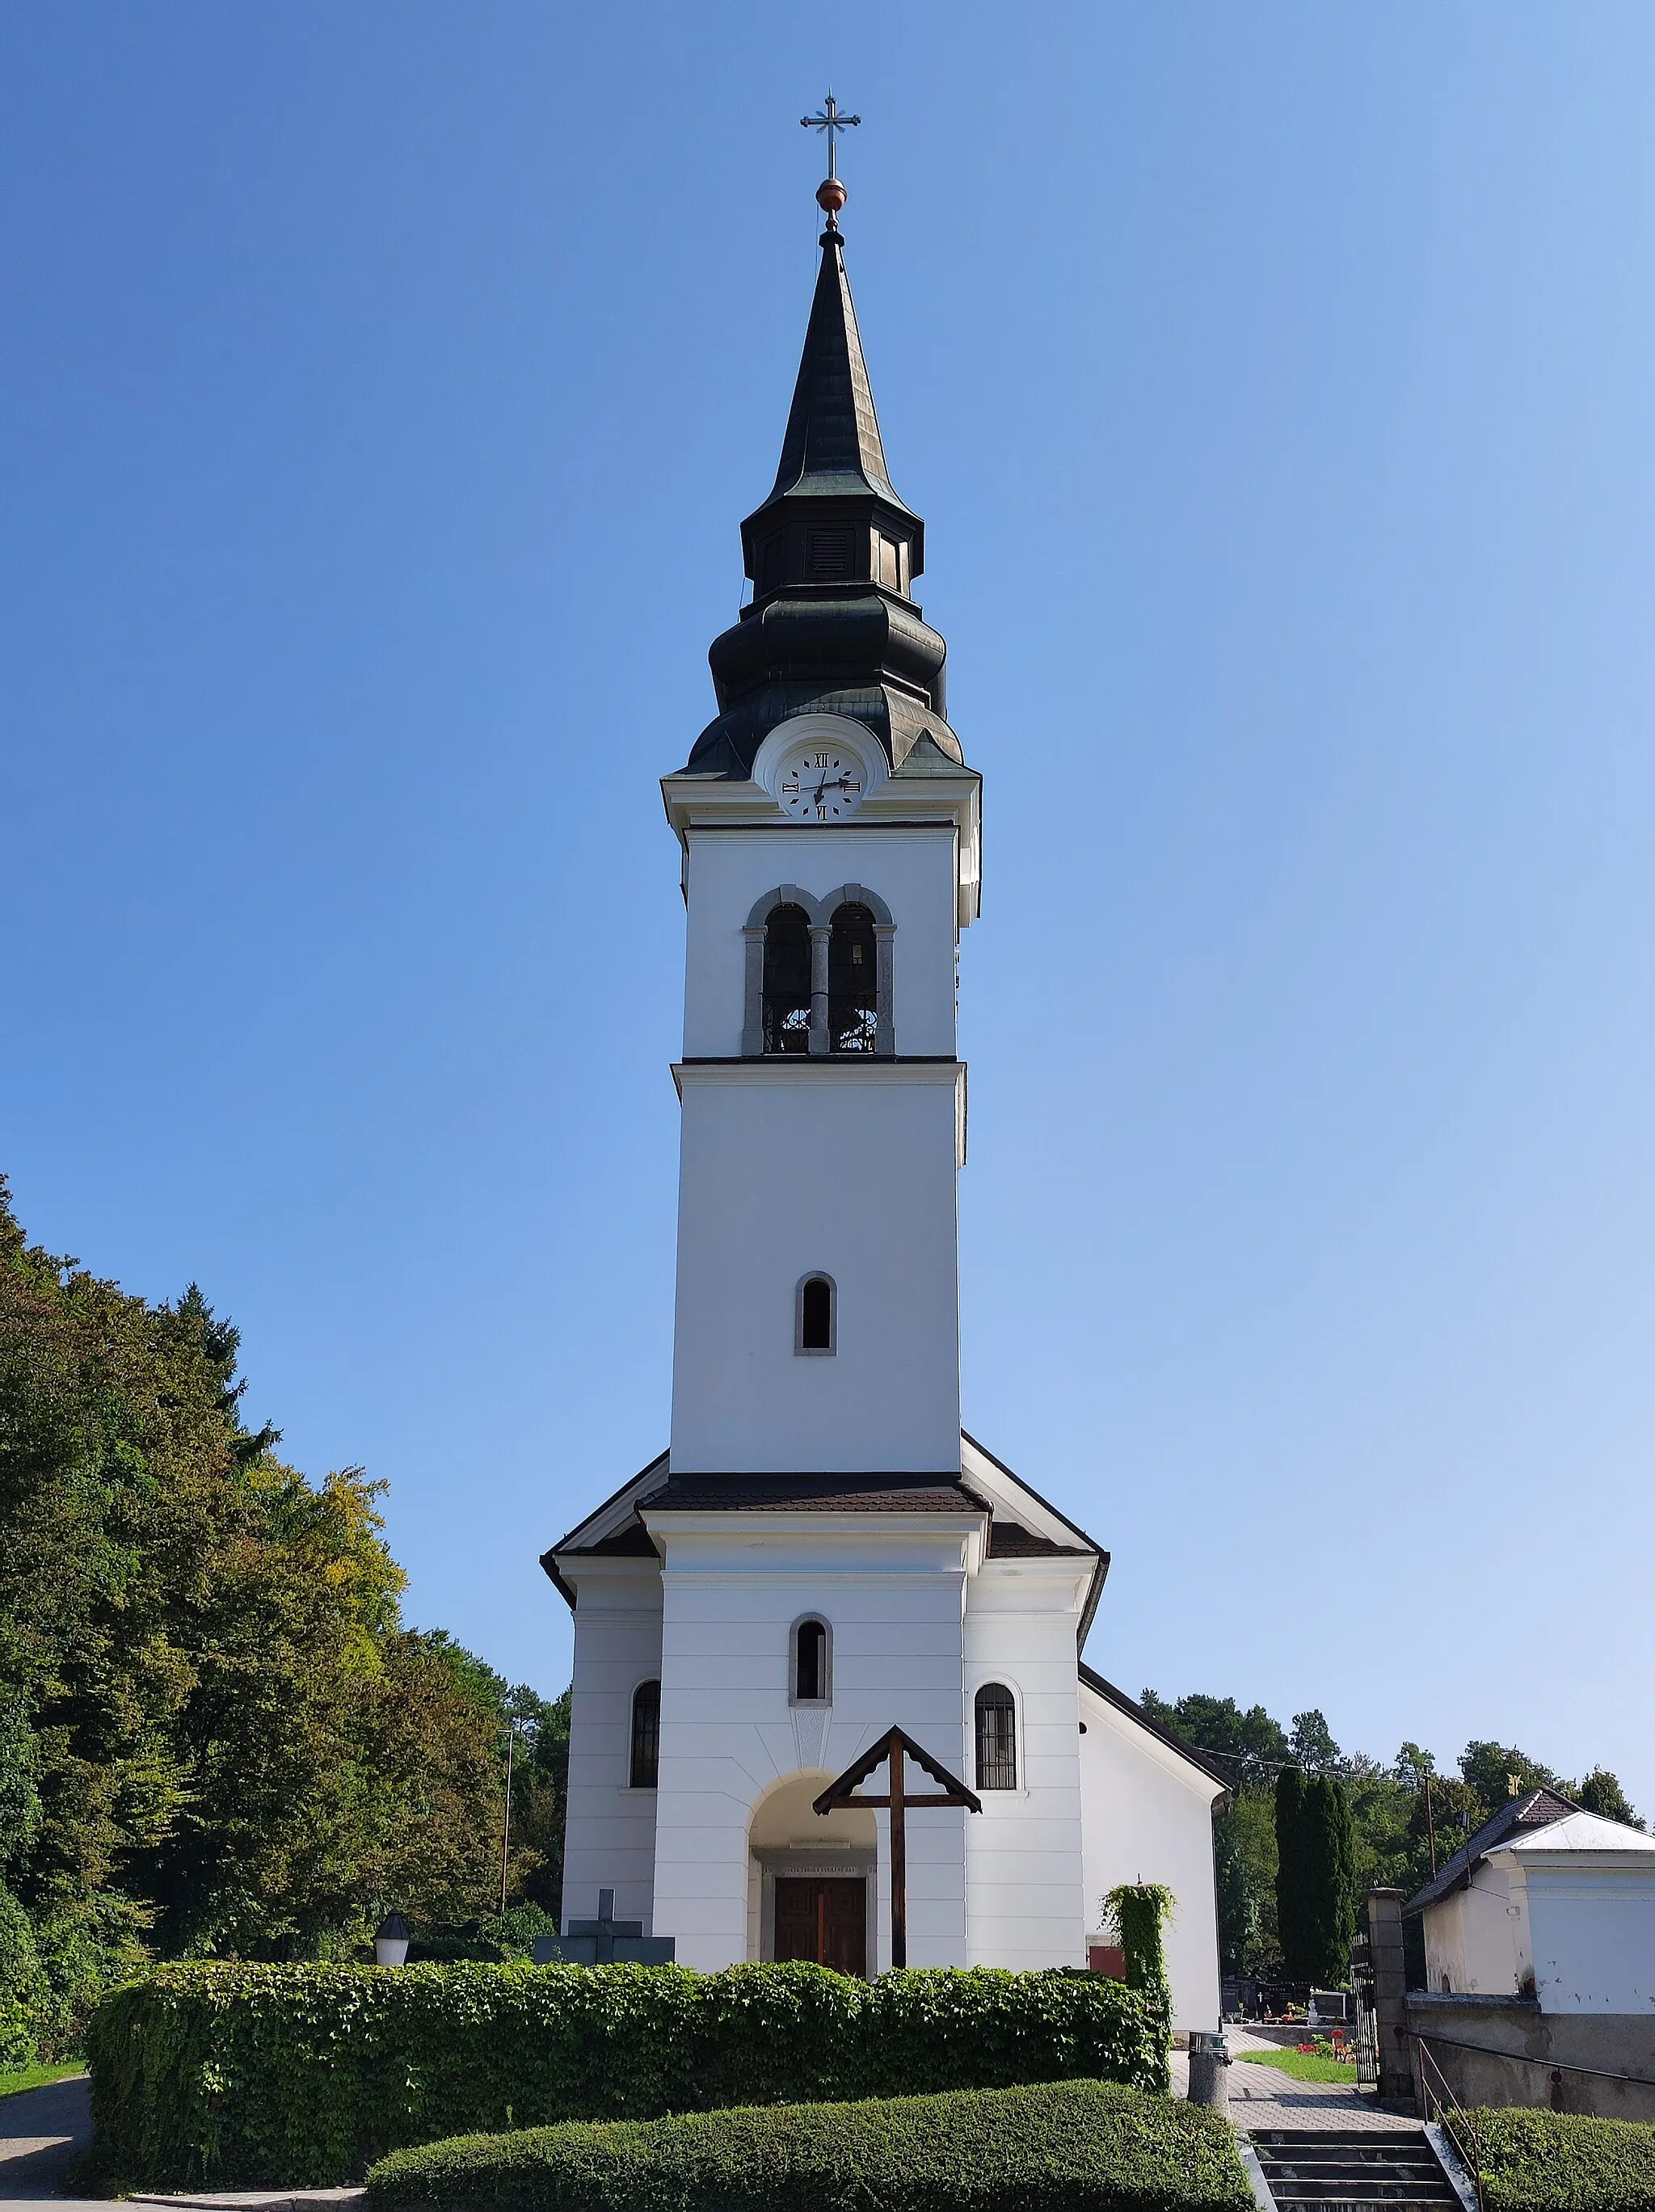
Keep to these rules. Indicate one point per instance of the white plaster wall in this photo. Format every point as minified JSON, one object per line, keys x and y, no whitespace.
{"x":1593,"y":1931}
{"x":609,"y":1841}
{"x":1478,"y":1938}
{"x":892,"y":1589}
{"x":912,"y":870}
{"x":1024,"y":1859}
{"x":1147,"y":1817}
{"x":787,"y":1169}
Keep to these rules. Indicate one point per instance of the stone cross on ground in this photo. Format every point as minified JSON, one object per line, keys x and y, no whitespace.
{"x":605,"y":1928}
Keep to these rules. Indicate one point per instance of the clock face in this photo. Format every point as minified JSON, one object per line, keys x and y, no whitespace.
{"x":820,"y":785}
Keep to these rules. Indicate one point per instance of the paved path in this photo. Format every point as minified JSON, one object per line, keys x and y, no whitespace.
{"x":40,"y":2131}
{"x":1265,"y":2097}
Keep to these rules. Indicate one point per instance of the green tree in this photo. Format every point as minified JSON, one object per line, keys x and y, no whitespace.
{"x":1601,"y":1793}
{"x":1251,"y":1746}
{"x":1239,"y":1943}
{"x":1311,"y":1745}
{"x":1316,"y":1879}
{"x":1489,"y":1770}
{"x":216,"y":1733}
{"x":1250,"y":1743}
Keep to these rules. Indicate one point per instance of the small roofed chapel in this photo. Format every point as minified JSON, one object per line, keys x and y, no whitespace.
{"x":821,"y":1556}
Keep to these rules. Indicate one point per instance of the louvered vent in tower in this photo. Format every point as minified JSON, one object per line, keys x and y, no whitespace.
{"x":829,"y":555}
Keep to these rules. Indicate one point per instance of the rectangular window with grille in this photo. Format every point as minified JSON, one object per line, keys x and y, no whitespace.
{"x":996,"y":1738}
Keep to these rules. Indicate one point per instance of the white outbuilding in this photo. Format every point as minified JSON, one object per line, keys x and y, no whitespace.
{"x":820,"y":1554}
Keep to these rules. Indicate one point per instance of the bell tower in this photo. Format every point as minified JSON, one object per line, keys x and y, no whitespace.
{"x":829,"y":831}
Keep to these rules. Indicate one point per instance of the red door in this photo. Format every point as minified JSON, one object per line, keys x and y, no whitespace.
{"x":824,"y":1921}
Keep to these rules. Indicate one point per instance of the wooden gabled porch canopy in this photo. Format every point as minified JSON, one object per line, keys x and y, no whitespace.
{"x":896,"y":1746}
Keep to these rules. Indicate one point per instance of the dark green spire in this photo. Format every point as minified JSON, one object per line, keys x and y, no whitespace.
{"x":832,"y":555}
{"x":832,"y":447}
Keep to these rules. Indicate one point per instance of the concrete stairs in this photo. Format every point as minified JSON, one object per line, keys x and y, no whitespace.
{"x":1367,"y":2168}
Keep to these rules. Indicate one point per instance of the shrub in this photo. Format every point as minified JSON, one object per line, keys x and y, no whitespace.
{"x":1068,"y":2146}
{"x":1138,"y":1911}
{"x":1535,"y":2161}
{"x":212,"y":2074}
{"x":25,"y":1993}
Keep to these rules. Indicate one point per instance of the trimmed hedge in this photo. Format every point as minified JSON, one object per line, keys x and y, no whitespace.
{"x":1538,"y":2161}
{"x":229,"y":2076}
{"x":1065,"y":2147}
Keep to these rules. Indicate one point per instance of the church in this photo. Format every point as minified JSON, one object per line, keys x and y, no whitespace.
{"x":820,"y":1554}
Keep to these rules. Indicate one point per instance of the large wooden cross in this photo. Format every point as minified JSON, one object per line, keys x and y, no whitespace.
{"x":897,"y":1747}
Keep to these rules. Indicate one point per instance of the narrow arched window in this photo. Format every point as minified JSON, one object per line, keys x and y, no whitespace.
{"x":787,"y":980}
{"x":645,"y":1735}
{"x":815,"y":1315}
{"x":811,"y":1663}
{"x":997,"y":1737}
{"x":852,"y":981}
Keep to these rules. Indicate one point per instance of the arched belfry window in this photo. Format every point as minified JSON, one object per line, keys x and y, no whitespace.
{"x":811,"y":1663}
{"x":820,"y":973}
{"x":853,"y":981}
{"x":646,"y":1763}
{"x":997,"y":1737}
{"x":816,"y":1315}
{"x":787,"y":980}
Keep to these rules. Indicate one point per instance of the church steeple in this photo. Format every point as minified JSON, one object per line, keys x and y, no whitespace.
{"x":833,"y":449}
{"x":832,"y":554}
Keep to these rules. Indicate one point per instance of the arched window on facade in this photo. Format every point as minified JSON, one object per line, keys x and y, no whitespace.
{"x":815,"y":1320}
{"x":810,"y":1675}
{"x":852,"y":981}
{"x":787,"y":980}
{"x":997,"y":1737}
{"x":645,"y":1735}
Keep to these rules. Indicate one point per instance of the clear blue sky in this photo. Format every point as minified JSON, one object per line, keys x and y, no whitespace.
{"x":383,"y":384}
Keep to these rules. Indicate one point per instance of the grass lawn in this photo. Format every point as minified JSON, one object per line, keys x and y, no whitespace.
{"x":1303,"y":2065}
{"x":36,"y":2078}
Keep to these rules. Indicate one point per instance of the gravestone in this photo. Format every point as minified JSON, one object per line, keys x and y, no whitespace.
{"x":606,"y":1941}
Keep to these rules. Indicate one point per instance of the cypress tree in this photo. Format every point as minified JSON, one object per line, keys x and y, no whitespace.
{"x":1331,"y":1870}
{"x":1290,"y":1869}
{"x":1316,"y":1877}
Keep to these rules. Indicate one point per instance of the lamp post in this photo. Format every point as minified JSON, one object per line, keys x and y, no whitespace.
{"x":391,"y":1941}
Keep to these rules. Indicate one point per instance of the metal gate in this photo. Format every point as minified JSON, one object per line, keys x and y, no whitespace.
{"x":1368,"y":2023}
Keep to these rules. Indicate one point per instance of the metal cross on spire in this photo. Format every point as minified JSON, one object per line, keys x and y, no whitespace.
{"x":830,"y":120}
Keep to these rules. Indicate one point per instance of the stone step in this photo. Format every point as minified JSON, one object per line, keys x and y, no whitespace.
{"x":1357,"y":2186}
{"x":1422,"y":2160}
{"x":1345,"y":2138}
{"x":1390,"y":2175}
{"x":1388,"y":2170}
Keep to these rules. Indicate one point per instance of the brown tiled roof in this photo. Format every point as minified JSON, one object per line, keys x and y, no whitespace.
{"x":1534,"y":1808}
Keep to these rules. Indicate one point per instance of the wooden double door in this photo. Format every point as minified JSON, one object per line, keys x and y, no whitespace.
{"x":825,"y":1919}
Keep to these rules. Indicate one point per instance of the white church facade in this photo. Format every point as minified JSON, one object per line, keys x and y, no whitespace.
{"x":820,"y":1554}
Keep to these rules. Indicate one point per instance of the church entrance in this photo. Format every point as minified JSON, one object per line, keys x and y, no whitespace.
{"x":825,"y":1919}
